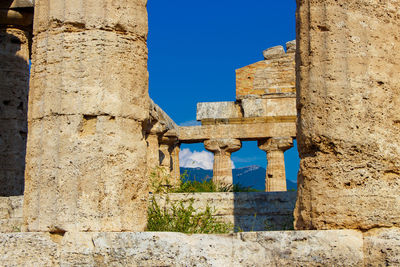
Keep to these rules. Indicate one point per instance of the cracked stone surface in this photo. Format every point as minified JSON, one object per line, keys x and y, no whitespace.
{"x":348,"y":115}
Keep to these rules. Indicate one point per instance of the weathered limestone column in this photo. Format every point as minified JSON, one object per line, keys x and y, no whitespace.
{"x":275,"y":179}
{"x":169,"y":158}
{"x":14,"y":83}
{"x":222,"y":149}
{"x":348,"y":98}
{"x":86,"y":152}
{"x":176,"y":171}
{"x":153,"y":152}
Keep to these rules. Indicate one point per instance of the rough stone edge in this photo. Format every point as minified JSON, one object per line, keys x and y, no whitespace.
{"x":343,"y":248}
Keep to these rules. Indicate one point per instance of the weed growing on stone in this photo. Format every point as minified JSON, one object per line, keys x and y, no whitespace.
{"x":208,"y":186}
{"x":184,"y":218}
{"x":160,"y":184}
{"x":160,"y":181}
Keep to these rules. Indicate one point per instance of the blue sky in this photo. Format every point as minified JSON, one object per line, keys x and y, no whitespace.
{"x":195,"y":48}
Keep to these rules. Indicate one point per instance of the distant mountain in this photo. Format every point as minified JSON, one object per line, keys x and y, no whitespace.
{"x":251,"y":176}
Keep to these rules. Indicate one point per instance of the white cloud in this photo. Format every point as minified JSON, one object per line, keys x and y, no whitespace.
{"x":197,"y":159}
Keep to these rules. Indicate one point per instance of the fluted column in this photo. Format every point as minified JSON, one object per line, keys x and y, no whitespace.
{"x":176,"y":172}
{"x":14,"y":83}
{"x":86,"y":152}
{"x":169,"y":159}
{"x":348,"y":99}
{"x":275,"y":179}
{"x":222,"y":149}
{"x":153,"y":153}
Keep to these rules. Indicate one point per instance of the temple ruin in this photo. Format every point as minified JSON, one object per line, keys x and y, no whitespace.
{"x":80,"y":148}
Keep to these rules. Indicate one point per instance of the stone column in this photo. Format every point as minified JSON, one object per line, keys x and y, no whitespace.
{"x":348,"y":99}
{"x":176,"y":171}
{"x":14,"y":84}
{"x":86,"y":152}
{"x":222,"y":149}
{"x":169,"y":159}
{"x":275,"y":179}
{"x":153,"y":153}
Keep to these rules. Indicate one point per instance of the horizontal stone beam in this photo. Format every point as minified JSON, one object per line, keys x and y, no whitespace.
{"x":16,"y":3}
{"x":160,"y":122}
{"x":244,"y":132}
{"x":218,"y":110}
{"x":277,"y":106}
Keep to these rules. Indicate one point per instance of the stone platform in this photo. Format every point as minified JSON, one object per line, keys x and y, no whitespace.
{"x":290,"y":248}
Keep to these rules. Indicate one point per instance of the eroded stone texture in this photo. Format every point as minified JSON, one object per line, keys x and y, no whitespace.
{"x":270,"y":107}
{"x":382,"y":247}
{"x":28,"y":249}
{"x":303,"y":248}
{"x":222,"y":168}
{"x":218,"y":110}
{"x":275,"y":179}
{"x":14,"y":84}
{"x":11,"y":214}
{"x":272,"y":77}
{"x":348,"y":114}
{"x":86,"y":154}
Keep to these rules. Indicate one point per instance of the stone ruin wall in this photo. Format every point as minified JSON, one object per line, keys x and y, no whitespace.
{"x":264,"y":111}
{"x":274,"y":75}
{"x":347,"y":92}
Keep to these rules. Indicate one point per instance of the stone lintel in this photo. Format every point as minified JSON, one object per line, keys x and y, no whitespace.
{"x":244,"y":132}
{"x":160,"y":122}
{"x":218,"y":110}
{"x":269,"y":107}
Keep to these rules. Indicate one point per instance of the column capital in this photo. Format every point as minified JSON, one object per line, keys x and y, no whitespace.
{"x":169,"y":141}
{"x":223,"y":145}
{"x":275,"y":143}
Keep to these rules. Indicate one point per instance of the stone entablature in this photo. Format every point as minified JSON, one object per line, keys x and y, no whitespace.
{"x":265,"y":108}
{"x":163,"y":146}
{"x":244,"y":131}
{"x":274,"y":75}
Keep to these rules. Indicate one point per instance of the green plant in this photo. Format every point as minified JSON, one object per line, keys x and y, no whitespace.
{"x":160,"y":180}
{"x":208,"y":186}
{"x":195,"y":186}
{"x":177,"y":217}
{"x":160,"y":183}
